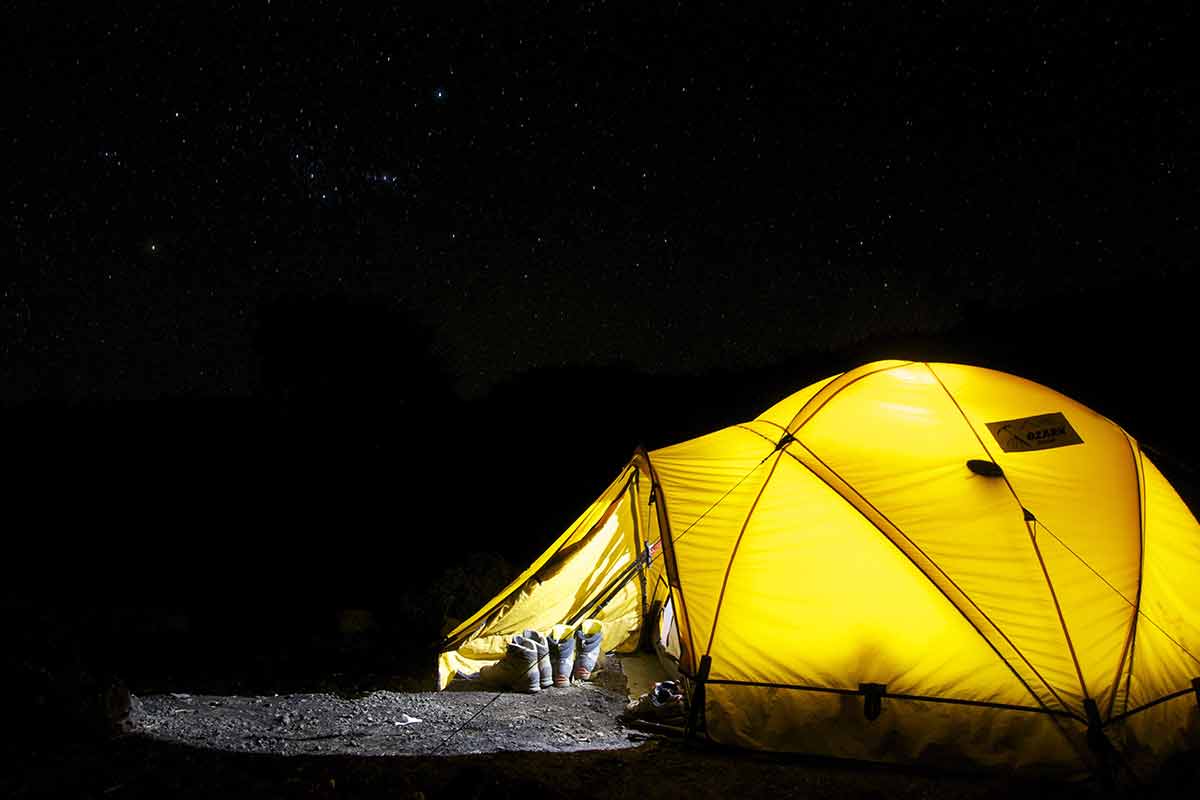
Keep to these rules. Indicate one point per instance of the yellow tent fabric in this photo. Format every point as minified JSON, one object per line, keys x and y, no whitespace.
{"x":996,"y":567}
{"x":597,"y":568}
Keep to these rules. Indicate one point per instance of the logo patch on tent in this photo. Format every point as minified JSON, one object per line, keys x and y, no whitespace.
{"x":1034,"y":433}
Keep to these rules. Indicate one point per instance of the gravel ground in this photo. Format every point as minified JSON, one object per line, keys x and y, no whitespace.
{"x":581,"y":717}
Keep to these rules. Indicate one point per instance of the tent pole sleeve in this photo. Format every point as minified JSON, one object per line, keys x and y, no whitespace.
{"x":455,"y":640}
{"x":635,"y":511}
{"x":686,"y":640}
{"x":607,"y":594}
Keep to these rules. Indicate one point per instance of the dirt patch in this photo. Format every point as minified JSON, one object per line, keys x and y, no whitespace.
{"x":580,"y":717}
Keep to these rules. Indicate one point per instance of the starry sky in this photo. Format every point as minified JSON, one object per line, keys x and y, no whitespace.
{"x":678,"y":188}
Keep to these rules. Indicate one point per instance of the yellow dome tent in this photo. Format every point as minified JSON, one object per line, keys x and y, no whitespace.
{"x":905,"y":562}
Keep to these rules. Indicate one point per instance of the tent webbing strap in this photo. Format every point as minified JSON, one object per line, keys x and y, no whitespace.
{"x":1152,"y":703}
{"x":1194,"y":689}
{"x":608,"y":592}
{"x":896,"y":696}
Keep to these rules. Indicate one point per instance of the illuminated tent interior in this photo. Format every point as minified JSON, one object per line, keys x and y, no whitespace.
{"x":910,"y":562}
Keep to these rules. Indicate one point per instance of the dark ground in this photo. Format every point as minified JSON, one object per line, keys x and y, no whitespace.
{"x":140,"y":765}
{"x":464,"y":743}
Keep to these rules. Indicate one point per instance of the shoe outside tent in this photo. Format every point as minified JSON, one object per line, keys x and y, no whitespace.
{"x":909,"y":562}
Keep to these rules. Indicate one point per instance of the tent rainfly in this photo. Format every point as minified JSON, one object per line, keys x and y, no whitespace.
{"x":907,"y":562}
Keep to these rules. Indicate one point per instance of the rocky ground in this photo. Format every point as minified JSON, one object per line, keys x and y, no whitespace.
{"x":383,"y":723}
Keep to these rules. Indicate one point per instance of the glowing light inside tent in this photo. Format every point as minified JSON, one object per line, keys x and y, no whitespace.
{"x":916,"y":373}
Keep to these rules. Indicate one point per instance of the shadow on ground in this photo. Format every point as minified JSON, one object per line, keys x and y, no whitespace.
{"x":138,"y":766}
{"x":466,"y":744}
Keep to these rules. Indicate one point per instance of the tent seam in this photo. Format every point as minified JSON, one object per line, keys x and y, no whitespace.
{"x":835,"y":393}
{"x":954,"y":605}
{"x":733,"y":554}
{"x":1134,"y":604}
{"x":1058,"y":608}
{"x":1141,"y":473}
{"x":1032,"y":536}
{"x":728,"y":492}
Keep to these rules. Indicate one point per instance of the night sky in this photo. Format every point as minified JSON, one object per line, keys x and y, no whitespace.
{"x":678,"y":190}
{"x":355,"y":305}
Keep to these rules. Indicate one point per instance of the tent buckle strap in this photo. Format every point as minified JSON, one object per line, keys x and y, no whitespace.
{"x":1098,"y":743}
{"x":872,"y":699}
{"x":697,"y":699}
{"x":1093,"y":713}
{"x":1196,"y":689}
{"x":785,"y":440}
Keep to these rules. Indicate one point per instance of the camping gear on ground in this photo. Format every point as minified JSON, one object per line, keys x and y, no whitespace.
{"x":561,"y":643}
{"x":518,"y":670}
{"x":587,"y":648}
{"x":543,"y":654}
{"x":664,"y":705}
{"x":910,"y":562}
{"x":665,"y":692}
